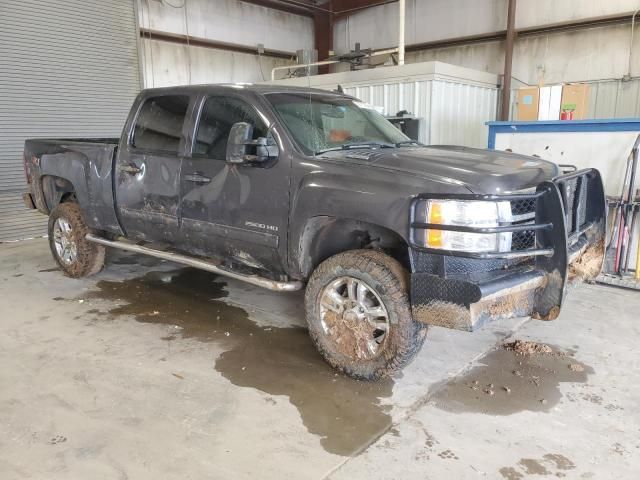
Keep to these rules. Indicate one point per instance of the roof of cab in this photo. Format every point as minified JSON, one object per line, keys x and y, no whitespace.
{"x":252,"y":87}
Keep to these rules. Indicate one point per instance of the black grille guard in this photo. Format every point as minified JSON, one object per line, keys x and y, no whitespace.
{"x":570,"y":216}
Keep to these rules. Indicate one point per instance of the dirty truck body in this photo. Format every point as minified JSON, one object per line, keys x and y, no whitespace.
{"x":284,"y":187}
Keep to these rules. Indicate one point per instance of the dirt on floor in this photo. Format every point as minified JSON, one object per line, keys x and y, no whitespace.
{"x":550,"y":465}
{"x":522,"y":347}
{"x":519,"y":376}
{"x":552,"y":315}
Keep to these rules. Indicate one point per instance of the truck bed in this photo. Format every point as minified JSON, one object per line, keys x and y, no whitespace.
{"x":84,"y":166}
{"x":71,"y":141}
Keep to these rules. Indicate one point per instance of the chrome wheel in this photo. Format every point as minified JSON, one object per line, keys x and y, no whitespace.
{"x":66,"y":247}
{"x":353,"y":316}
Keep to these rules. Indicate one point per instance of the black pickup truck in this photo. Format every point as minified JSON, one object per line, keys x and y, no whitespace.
{"x":285,"y":187}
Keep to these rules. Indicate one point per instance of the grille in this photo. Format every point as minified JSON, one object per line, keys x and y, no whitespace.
{"x":570,"y":201}
{"x":541,"y":229}
{"x":574,"y":197}
{"x":524,"y":211}
{"x":523,"y":240}
{"x":522,"y":207}
{"x":581,"y":208}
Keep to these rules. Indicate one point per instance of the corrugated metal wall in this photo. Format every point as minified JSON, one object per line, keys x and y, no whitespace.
{"x":607,"y":99}
{"x":68,"y":68}
{"x":614,"y":99}
{"x":169,"y":64}
{"x":459,"y":112}
{"x":450,"y":112}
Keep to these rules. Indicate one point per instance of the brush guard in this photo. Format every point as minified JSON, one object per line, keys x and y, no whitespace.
{"x":468,"y":289}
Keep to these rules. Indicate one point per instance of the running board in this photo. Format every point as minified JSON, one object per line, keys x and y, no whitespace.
{"x":197,"y":263}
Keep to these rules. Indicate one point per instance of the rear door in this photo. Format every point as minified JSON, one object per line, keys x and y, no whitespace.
{"x":148,"y":169}
{"x":237,"y":211}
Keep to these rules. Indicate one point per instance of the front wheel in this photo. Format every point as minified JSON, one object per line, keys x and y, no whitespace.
{"x":76,"y":256}
{"x":359,"y":315}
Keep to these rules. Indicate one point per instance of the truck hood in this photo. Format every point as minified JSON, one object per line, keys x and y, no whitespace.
{"x":480,"y":171}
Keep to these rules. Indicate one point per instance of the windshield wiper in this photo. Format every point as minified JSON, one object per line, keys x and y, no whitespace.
{"x":409,"y":142}
{"x":348,"y":146}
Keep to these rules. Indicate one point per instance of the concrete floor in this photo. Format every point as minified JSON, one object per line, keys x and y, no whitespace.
{"x":150,"y":371}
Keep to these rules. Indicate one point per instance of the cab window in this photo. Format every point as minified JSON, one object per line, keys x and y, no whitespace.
{"x":159,"y":124}
{"x":217,"y":117}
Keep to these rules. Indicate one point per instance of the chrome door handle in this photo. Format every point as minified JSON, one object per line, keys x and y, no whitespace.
{"x":132,"y":169}
{"x":196,"y":178}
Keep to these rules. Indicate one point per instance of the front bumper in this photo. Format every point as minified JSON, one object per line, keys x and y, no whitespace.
{"x":464,"y":290}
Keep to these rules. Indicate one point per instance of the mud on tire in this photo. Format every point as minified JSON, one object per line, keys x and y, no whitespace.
{"x":89,"y":258}
{"x":389,"y":280}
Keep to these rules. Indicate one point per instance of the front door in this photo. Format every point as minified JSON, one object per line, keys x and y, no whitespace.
{"x":148,"y":170}
{"x":237,"y":211}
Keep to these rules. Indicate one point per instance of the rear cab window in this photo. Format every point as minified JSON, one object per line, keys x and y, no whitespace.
{"x":159,"y":123}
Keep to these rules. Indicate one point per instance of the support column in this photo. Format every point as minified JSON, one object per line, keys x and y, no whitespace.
{"x":508,"y":60}
{"x":323,"y":33}
{"x":401,"y":12}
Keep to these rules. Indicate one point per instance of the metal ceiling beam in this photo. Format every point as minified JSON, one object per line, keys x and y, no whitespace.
{"x":207,"y":43}
{"x":324,"y":15}
{"x":349,"y":7}
{"x":294,"y":7}
{"x":307,"y":9}
{"x":591,"y":22}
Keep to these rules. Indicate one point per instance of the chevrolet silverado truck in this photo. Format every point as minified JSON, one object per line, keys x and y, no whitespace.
{"x":288,"y":188}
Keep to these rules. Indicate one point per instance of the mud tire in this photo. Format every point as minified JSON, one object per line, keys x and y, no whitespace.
{"x":390,"y":281}
{"x":89,"y":256}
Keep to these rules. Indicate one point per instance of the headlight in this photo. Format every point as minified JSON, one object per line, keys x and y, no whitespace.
{"x":467,"y":213}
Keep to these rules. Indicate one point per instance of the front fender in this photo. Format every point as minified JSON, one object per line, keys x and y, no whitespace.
{"x":377,"y":197}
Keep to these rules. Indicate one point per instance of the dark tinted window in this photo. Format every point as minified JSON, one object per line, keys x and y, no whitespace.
{"x":159,"y":123}
{"x":218,"y":115}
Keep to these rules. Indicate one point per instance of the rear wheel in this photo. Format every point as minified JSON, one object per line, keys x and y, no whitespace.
{"x":74,"y":254}
{"x":359,"y":314}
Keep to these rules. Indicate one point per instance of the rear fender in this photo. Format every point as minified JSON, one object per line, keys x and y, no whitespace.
{"x":86,"y":172}
{"x":62,"y":173}
{"x":55,"y":190}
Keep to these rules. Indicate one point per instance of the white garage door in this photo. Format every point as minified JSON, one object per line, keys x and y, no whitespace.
{"x":68,"y":68}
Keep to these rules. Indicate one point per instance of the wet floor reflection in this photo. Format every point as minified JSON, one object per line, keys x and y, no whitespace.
{"x":344,"y":413}
{"x":505,"y":382}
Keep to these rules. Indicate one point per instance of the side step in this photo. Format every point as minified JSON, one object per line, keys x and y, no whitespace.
{"x":197,"y":263}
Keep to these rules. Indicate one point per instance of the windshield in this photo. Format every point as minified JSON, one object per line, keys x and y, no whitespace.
{"x":322,"y":122}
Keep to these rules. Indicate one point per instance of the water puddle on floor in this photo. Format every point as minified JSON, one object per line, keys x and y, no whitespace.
{"x":505,"y":382}
{"x":346,"y":414}
{"x":117,"y":258}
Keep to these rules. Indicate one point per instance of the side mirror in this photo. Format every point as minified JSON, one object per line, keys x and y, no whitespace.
{"x":242,"y":149}
{"x":238,"y":142}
